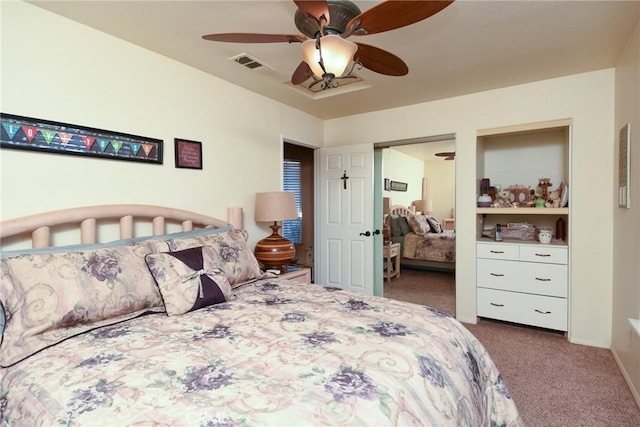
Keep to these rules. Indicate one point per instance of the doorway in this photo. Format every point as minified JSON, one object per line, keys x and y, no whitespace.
{"x":419,"y":174}
{"x":298,"y":177}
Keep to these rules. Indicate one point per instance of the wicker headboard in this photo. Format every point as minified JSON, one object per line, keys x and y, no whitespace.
{"x":402,"y":210}
{"x":40,"y":226}
{"x":399,"y":210}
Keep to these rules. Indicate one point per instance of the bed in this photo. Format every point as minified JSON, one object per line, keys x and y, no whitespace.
{"x":182,"y":328}
{"x":420,"y":246}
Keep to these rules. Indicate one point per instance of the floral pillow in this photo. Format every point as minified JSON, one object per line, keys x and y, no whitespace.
{"x":184,"y":283}
{"x":227,"y":251}
{"x":419,"y":224}
{"x":436,"y":227}
{"x":49,"y":297}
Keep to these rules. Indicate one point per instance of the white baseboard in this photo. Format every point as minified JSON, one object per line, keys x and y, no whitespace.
{"x":634,"y":392}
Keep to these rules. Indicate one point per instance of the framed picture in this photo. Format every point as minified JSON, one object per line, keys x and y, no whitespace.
{"x":398,"y":186}
{"x":387,"y":184}
{"x":46,"y":136}
{"x":624,"y":166}
{"x":188,"y":154}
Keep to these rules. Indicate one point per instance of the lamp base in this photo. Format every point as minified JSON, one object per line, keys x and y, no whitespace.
{"x":274,"y":251}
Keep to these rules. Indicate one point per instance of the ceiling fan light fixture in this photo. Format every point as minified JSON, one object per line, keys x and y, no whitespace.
{"x":337,"y":54}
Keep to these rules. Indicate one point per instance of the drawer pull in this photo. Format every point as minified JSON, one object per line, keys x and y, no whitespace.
{"x":496,"y":305}
{"x":543,"y":255}
{"x":497,"y":274}
{"x":542,"y":312}
{"x":497,"y":252}
{"x":543,"y":280}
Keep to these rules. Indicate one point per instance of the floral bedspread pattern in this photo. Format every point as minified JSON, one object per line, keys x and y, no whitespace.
{"x":438,"y":247}
{"x":279,"y":353}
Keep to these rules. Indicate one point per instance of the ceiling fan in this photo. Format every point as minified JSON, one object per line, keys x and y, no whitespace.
{"x":326,"y":24}
{"x":448,"y":155}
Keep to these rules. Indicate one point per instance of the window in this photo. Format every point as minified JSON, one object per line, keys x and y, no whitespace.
{"x":292,"y":228}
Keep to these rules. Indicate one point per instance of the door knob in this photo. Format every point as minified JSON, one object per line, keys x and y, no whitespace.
{"x":368,"y":233}
{"x":376,"y":232}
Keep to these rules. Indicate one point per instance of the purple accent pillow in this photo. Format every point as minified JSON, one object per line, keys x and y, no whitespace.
{"x":184,"y":282}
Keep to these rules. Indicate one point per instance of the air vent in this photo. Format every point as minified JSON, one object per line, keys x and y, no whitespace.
{"x":249,"y":62}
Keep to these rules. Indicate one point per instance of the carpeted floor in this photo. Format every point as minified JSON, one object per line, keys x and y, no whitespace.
{"x":553,"y":382}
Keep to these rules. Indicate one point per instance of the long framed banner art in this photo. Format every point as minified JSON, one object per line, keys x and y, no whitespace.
{"x":26,"y":133}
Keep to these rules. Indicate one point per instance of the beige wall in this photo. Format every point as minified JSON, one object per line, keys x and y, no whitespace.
{"x":56,"y":69}
{"x":441,"y":181}
{"x":398,"y":166}
{"x":626,"y":230}
{"x":588,"y":99}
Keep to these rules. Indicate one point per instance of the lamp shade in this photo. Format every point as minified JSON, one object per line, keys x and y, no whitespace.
{"x":274,"y":251}
{"x":275,"y":206}
{"x":337,"y":54}
{"x":424,"y":206}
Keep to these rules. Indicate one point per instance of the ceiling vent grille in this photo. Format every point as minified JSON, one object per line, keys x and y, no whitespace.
{"x":249,"y":62}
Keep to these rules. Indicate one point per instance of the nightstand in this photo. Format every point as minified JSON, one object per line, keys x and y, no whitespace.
{"x":389,"y":252}
{"x":300,"y":275}
{"x":449,"y":224}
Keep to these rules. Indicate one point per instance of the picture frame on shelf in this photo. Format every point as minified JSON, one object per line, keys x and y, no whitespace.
{"x":564,"y":195}
{"x":188,"y":154}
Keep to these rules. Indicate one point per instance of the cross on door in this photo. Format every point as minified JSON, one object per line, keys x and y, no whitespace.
{"x":344,"y":179}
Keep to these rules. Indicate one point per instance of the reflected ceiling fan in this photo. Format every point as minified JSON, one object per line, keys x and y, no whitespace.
{"x":448,"y":155}
{"x":326,"y":24}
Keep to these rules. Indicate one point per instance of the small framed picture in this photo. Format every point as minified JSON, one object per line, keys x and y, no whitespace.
{"x":188,"y":154}
{"x":398,"y":186}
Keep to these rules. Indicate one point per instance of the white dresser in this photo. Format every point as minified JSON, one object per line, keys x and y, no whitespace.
{"x":523,"y":283}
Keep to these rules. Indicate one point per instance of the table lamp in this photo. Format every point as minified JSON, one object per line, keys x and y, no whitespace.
{"x":423,"y":206}
{"x":274,"y":251}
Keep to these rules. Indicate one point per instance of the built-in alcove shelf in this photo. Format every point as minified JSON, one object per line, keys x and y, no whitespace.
{"x":523,"y":211}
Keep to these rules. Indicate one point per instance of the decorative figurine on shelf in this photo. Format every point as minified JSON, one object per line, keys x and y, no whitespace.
{"x":503,"y":199}
{"x":553,"y":200}
{"x":545,"y":183}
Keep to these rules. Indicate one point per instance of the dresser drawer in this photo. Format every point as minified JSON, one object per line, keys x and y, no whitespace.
{"x":498,"y":251}
{"x":527,"y":309}
{"x":542,"y":253}
{"x":529,"y":277}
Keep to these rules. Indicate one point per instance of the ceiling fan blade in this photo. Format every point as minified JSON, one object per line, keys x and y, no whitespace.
{"x":448,"y":155}
{"x":317,"y":9}
{"x":255,"y":38}
{"x":301,"y":74}
{"x":380,"y":61}
{"x":393,"y":14}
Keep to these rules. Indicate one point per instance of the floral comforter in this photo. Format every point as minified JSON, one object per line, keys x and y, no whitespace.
{"x":438,"y":247}
{"x":279,"y":353}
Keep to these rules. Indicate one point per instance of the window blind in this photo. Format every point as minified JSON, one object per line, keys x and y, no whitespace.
{"x":292,"y":228}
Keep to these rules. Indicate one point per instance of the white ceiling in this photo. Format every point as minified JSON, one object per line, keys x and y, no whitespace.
{"x":471,"y":46}
{"x":426,"y":151}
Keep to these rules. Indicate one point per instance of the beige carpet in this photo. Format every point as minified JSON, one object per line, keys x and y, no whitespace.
{"x":553,"y":382}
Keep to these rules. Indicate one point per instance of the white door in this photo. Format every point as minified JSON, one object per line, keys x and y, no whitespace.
{"x":344,"y":256}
